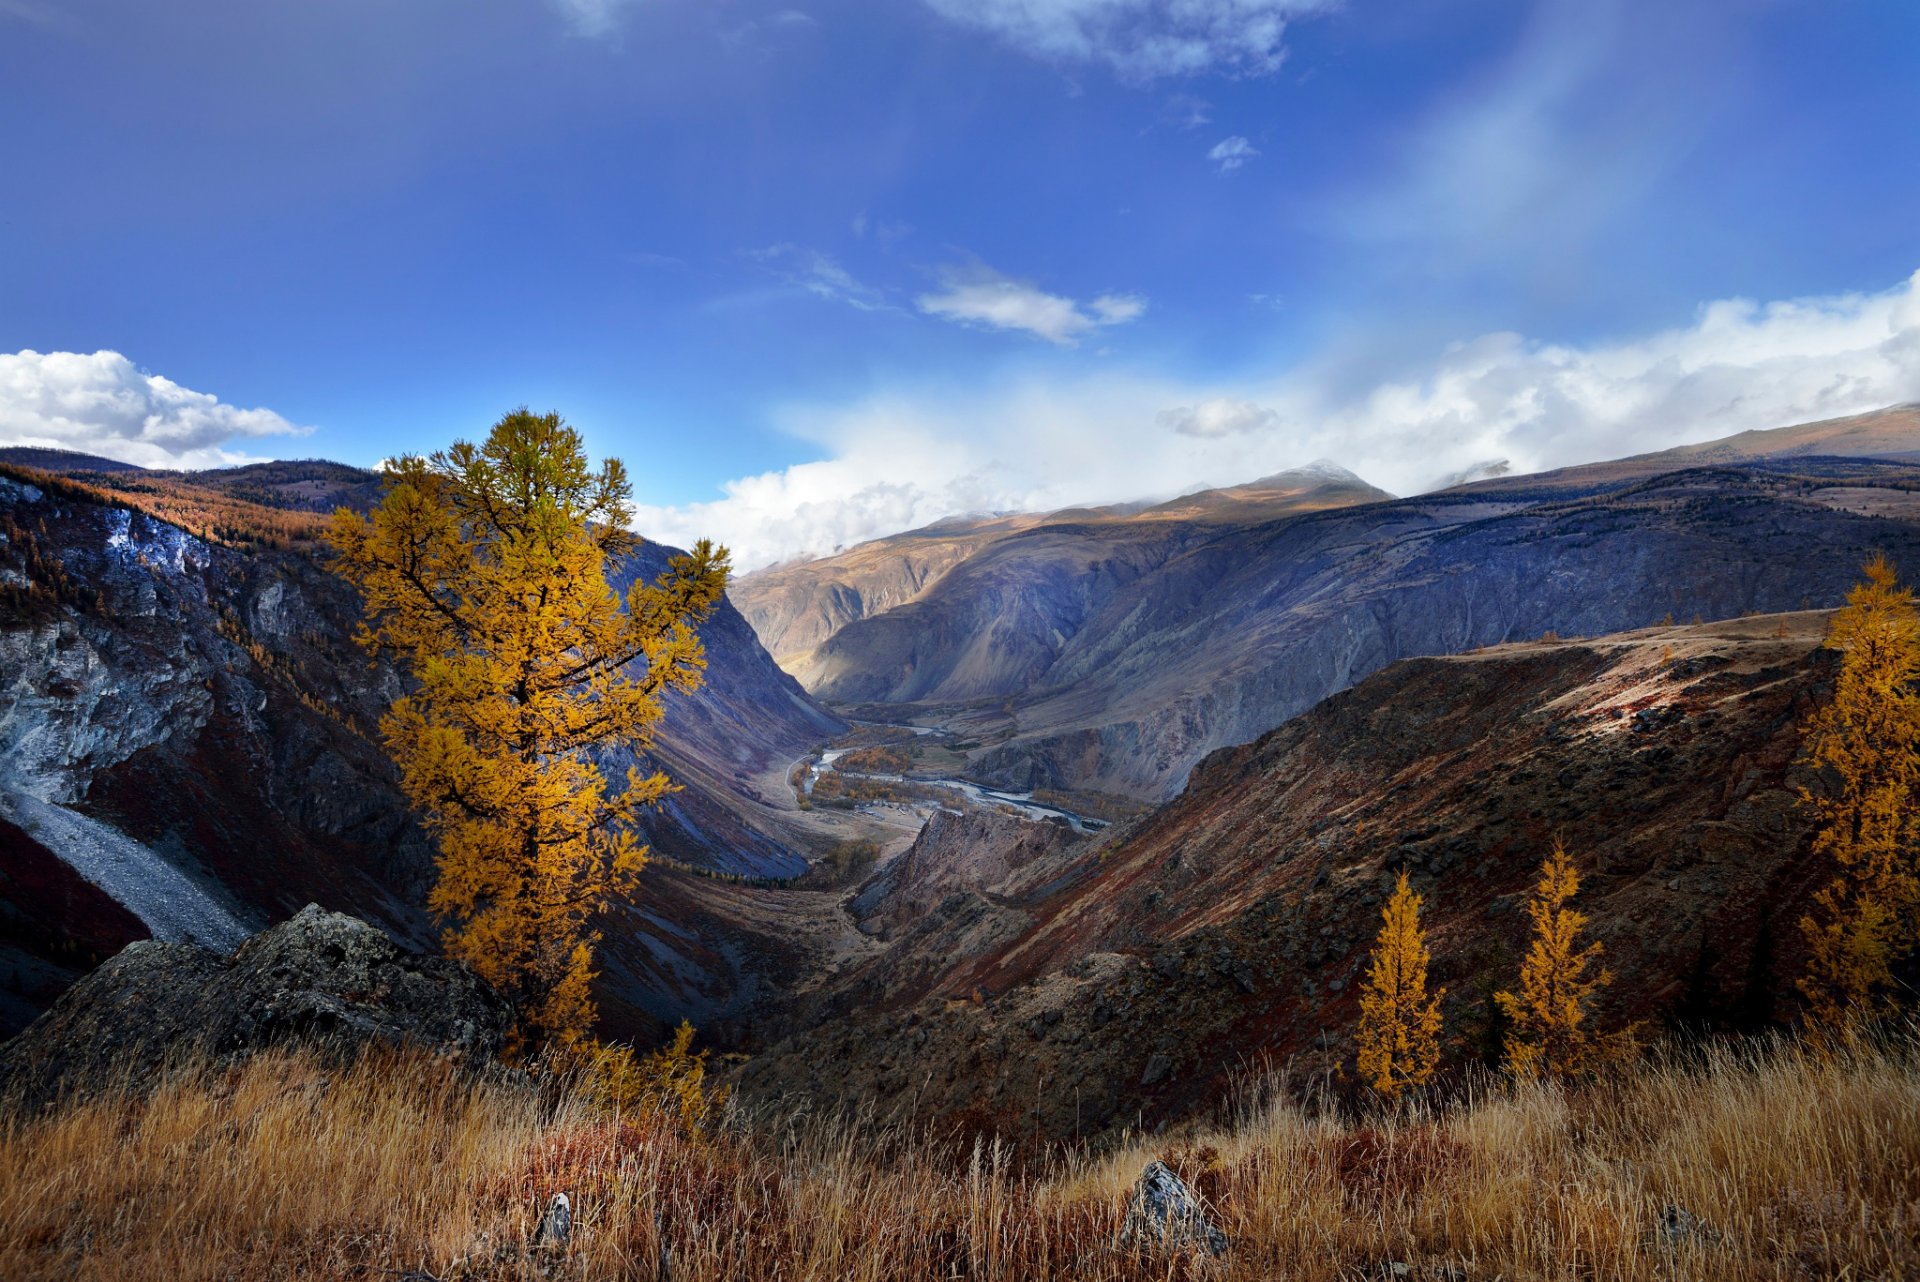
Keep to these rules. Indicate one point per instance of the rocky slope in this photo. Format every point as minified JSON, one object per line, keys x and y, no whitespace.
{"x":206,"y":704}
{"x":796,"y":609}
{"x":1131,"y":978}
{"x":1090,"y":659}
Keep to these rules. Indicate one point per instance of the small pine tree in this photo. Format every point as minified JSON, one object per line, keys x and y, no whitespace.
{"x":1548,"y":1032}
{"x":1868,"y":738}
{"x":1399,"y":1023}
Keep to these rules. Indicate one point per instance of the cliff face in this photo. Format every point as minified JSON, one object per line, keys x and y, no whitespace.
{"x":208,"y":704}
{"x":1131,"y":979}
{"x":1111,"y":656}
{"x":1044,"y":571}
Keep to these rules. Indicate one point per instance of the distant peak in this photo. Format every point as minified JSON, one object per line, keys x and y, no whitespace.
{"x":1322,"y":471}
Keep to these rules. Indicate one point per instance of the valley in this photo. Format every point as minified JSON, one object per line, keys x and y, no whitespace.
{"x":1129,"y":790}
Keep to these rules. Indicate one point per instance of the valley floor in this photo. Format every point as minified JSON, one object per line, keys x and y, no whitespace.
{"x":1749,"y":1162}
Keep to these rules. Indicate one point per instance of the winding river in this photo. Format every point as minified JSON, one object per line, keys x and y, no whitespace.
{"x":1021,"y":803}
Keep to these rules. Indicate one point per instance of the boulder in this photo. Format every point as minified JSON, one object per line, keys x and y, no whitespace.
{"x":320,"y":979}
{"x":1164,"y":1215}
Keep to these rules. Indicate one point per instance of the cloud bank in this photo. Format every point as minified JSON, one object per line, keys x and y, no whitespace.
{"x":1141,"y":39}
{"x":906,"y":458}
{"x":103,"y":404}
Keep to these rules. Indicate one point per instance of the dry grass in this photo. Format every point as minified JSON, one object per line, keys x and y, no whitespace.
{"x":1797,"y":1166}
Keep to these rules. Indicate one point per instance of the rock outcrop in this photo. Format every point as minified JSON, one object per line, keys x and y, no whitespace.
{"x":320,"y":979}
{"x":1164,"y":1216}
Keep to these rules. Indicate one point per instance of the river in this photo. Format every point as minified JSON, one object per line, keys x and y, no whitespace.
{"x":1021,"y":803}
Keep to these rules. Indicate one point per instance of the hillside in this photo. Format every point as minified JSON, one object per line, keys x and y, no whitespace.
{"x":1077,"y":985}
{"x":1087,"y":659}
{"x":179,"y":707}
{"x":797,"y":608}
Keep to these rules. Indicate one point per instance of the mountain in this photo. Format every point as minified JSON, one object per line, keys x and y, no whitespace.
{"x":797,"y":608}
{"x":186,"y":718}
{"x":63,"y":461}
{"x":1071,"y":987}
{"x":1111,"y":656}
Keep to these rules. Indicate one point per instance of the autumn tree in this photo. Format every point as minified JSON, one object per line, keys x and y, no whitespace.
{"x":1399,"y":1022}
{"x":483,"y":571}
{"x":1867,"y":742}
{"x":1548,"y":1031}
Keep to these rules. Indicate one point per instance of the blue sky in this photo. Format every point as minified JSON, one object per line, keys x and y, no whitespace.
{"x":823,"y":269}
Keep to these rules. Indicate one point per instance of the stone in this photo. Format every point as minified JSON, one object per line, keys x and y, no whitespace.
{"x":1678,"y":1228}
{"x":556,"y":1226}
{"x":1156,"y":1069}
{"x":320,"y":979}
{"x":1164,"y":1215}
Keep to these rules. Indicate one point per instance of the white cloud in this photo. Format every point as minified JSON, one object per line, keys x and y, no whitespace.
{"x":1217,"y":417}
{"x":103,"y":404}
{"x":1141,"y":39}
{"x":903,"y":459}
{"x":1231,"y":153}
{"x":978,"y":295}
{"x":819,"y":274}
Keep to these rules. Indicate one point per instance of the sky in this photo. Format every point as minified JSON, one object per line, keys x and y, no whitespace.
{"x":821,"y":270}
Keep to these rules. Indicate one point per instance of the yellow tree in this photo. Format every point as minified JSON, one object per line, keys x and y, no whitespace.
{"x":484,"y":571}
{"x":1399,"y":1023}
{"x":1867,"y":740}
{"x":1547,"y":1018}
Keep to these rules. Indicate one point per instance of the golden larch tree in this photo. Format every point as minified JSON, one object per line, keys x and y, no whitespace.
{"x":1548,"y":1031}
{"x":483,"y":571}
{"x":1867,"y":741}
{"x":1399,"y":1034}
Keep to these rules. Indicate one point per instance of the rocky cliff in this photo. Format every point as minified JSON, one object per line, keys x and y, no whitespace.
{"x":1046,"y":568}
{"x":178,"y":711}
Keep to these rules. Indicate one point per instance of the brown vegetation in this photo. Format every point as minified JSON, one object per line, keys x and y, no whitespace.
{"x":1785,"y":1164}
{"x":202,"y":510}
{"x":887,"y":759}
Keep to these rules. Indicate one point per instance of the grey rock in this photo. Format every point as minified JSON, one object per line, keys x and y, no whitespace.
{"x":320,"y":979}
{"x":1679,"y":1228}
{"x":1164,"y":1215}
{"x":1157,"y":1068}
{"x":556,"y":1226}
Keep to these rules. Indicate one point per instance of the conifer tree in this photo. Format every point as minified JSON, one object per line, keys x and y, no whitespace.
{"x":1549,"y":1033}
{"x":1868,"y":739}
{"x":483,"y":571}
{"x":1399,"y":1033}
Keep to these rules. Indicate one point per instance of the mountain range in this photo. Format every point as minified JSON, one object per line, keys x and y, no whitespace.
{"x":1107,"y":651}
{"x":1285,"y":692}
